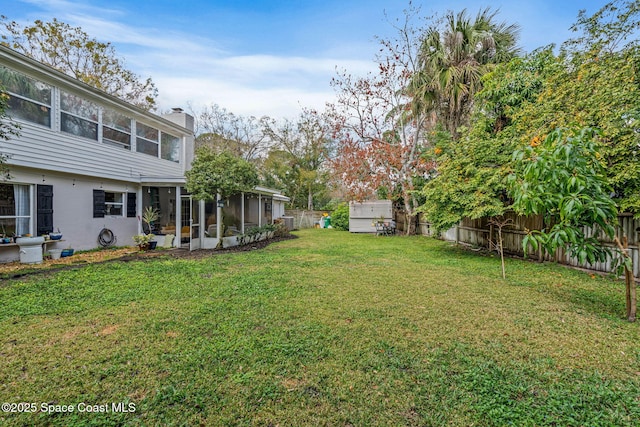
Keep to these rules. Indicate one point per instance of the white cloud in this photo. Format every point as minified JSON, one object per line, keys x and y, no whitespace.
{"x":273,"y":86}
{"x":276,"y":102}
{"x":249,"y":85}
{"x":196,"y":70}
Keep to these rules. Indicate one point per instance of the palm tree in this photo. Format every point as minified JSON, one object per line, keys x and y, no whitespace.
{"x":453,"y":60}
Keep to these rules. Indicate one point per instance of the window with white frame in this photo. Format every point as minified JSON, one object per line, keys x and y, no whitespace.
{"x":78,"y":116}
{"x":15,"y":209}
{"x":170,"y":147}
{"x":29,"y":99}
{"x":147,"y":139}
{"x":113,"y":203}
{"x":116,"y":129}
{"x":32,"y":100}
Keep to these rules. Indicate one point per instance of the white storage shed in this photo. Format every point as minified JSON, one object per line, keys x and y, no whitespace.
{"x":363,"y":215}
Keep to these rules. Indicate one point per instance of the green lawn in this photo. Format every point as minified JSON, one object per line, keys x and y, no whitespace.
{"x":329,"y":329}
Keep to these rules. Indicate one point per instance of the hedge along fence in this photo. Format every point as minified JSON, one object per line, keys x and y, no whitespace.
{"x":480,"y":233}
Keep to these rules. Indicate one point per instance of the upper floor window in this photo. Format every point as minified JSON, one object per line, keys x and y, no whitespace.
{"x":29,"y":99}
{"x":170,"y":147}
{"x":116,"y":129}
{"x":34,"y":101}
{"x":78,"y":116}
{"x":147,"y":139}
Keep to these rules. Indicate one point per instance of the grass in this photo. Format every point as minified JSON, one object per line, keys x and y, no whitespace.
{"x":329,"y":329}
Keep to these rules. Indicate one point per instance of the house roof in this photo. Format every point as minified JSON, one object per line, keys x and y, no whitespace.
{"x":271,"y":192}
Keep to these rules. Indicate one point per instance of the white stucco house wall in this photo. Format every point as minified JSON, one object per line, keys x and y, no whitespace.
{"x":86,"y":161}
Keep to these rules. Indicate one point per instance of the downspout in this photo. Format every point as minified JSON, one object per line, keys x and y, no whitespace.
{"x":177,"y":240}
{"x":218,"y":218}
{"x":242,"y":213}
{"x":139,"y":209}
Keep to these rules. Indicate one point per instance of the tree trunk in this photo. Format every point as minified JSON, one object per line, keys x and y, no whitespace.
{"x":631,"y":294}
{"x":504,"y":274}
{"x":409,"y":221}
{"x":630,"y":282}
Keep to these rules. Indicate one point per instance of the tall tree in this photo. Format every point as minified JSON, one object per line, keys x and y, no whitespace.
{"x":471,"y":177}
{"x":74,"y":52}
{"x":379,"y":138}
{"x":612,"y":28}
{"x":597,"y":85}
{"x":223,"y":130}
{"x":296,"y":162}
{"x":452,"y":60}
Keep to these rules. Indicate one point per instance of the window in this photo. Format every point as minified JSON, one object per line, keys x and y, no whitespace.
{"x":108,"y":203}
{"x":83,"y":114}
{"x":113,"y":203}
{"x":15,"y":209}
{"x":170,"y":147}
{"x":29,"y":99}
{"x":78,"y":116}
{"x":147,"y":140}
{"x":116,"y":129}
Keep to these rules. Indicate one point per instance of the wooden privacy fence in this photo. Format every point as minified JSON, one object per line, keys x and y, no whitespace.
{"x":480,"y":233}
{"x":304,"y":218}
{"x":421,"y":225}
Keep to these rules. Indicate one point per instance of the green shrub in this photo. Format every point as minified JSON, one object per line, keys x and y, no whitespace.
{"x":280,"y":230}
{"x":340,"y":217}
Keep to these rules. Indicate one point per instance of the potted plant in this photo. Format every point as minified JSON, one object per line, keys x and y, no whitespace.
{"x":149,"y":216}
{"x":55,"y":235}
{"x":143,"y":240}
{"x":4,"y":238}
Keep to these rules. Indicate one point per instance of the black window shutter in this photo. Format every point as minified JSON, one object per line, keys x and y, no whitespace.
{"x":98,"y":203}
{"x":44,"y":209}
{"x":131,"y":205}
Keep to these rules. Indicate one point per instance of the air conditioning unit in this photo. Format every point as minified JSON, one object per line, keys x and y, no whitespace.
{"x":288,"y":222}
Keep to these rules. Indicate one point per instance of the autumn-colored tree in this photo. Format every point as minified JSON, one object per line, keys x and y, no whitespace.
{"x":379,"y":137}
{"x":74,"y":52}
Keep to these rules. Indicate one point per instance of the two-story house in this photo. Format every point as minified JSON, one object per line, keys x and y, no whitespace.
{"x":88,"y":163}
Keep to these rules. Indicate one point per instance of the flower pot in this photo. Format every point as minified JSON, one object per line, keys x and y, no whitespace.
{"x":66,"y":253}
{"x":55,"y":236}
{"x":153,"y":244}
{"x":55,"y":253}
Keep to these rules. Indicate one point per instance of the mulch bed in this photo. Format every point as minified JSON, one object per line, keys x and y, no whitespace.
{"x":15,"y":270}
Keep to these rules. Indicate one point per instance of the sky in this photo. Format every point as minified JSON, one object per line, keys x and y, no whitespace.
{"x":267,"y":57}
